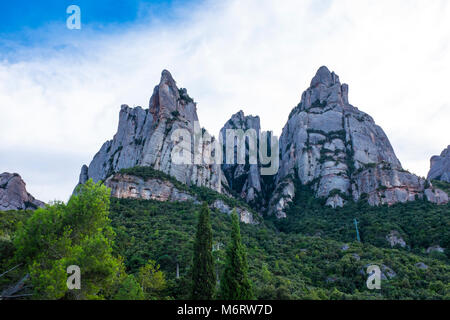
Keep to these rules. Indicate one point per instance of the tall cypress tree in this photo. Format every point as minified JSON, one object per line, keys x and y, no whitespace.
{"x":204,"y":282}
{"x":235,"y":284}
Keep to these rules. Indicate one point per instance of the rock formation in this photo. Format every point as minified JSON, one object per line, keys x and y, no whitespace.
{"x":245,"y":180}
{"x":126,"y":186}
{"x":436,"y":248}
{"x":245,"y":215}
{"x":340,"y":152}
{"x":145,"y":138}
{"x":440,"y":166}
{"x":14,"y":195}
{"x":394,"y":238}
{"x":327,"y":144}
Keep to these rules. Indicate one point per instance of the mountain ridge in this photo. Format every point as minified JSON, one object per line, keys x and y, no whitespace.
{"x":327,"y":143}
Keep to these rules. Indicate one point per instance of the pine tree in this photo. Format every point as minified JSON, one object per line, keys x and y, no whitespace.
{"x":77,"y":233}
{"x":235,"y":284}
{"x":204,"y":282}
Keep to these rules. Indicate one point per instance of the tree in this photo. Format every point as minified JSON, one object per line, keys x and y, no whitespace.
{"x":61,"y":235}
{"x":129,"y":290}
{"x":204,"y":282}
{"x":152,"y":281}
{"x":235,"y":284}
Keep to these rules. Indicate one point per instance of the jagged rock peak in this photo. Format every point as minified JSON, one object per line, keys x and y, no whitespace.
{"x":440,"y":166}
{"x":325,"y":89}
{"x":340,"y":152}
{"x":167,"y":76}
{"x":244,"y":179}
{"x":240,"y":121}
{"x":13,"y":194}
{"x":144,"y":138}
{"x":325,"y":77}
{"x":168,"y":101}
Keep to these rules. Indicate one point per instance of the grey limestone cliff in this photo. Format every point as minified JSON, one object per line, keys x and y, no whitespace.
{"x":245,"y":180}
{"x":14,"y":195}
{"x":145,"y":138}
{"x":126,"y":186}
{"x":440,"y":166}
{"x":340,"y":152}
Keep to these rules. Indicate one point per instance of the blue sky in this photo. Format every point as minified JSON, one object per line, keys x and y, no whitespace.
{"x":61,"y":90}
{"x":27,"y":23}
{"x":20,"y":15}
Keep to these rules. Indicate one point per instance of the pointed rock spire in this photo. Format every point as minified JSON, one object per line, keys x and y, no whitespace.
{"x":325,"y":77}
{"x":325,"y":89}
{"x":168,"y":101}
{"x":244,"y":179}
{"x":144,"y":138}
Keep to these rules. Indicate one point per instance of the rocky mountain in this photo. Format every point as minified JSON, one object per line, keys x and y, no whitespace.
{"x":340,"y":152}
{"x":14,"y":195}
{"x":245,"y":180}
{"x":144,"y":138}
{"x":440,"y":166}
{"x":327,"y":144}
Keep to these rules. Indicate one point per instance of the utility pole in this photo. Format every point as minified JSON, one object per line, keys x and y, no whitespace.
{"x":357,"y":232}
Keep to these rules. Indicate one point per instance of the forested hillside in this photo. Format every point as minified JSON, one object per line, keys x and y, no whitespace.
{"x":283,"y":265}
{"x":313,"y":254}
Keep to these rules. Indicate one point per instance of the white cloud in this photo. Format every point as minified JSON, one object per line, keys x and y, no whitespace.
{"x":254,"y":55}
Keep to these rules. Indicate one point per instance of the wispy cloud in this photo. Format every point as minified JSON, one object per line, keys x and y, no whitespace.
{"x":62,"y":98}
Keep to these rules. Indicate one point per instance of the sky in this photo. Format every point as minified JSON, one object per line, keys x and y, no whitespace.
{"x":61,"y":90}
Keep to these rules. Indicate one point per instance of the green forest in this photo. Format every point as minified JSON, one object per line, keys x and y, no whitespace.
{"x":145,"y":249}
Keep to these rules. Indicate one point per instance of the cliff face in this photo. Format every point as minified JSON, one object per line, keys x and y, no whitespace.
{"x":244,"y":179}
{"x":440,"y":166}
{"x":144,"y":138}
{"x":14,"y":195}
{"x":327,"y":144}
{"x":128,"y":186}
{"x":124,"y":186}
{"x":339,"y":151}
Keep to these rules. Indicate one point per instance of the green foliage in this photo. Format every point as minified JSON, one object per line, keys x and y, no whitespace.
{"x":295,"y":263}
{"x":175,"y":113}
{"x":208,"y":195}
{"x":420,"y":223}
{"x":365,"y":167}
{"x":444,"y":186}
{"x":300,"y":257}
{"x":60,"y":235}
{"x":184,"y":96}
{"x":340,"y":194}
{"x":9,"y":222}
{"x":318,"y":104}
{"x":203,"y":279}
{"x":235,"y":284}
{"x":129,"y":290}
{"x":201,"y":193}
{"x":152,"y":281}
